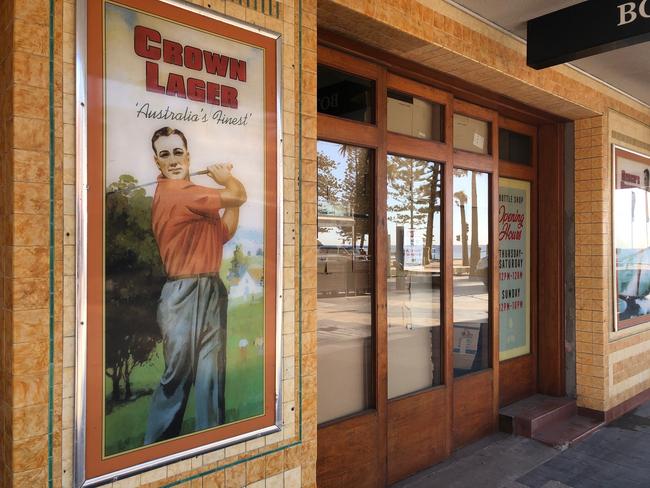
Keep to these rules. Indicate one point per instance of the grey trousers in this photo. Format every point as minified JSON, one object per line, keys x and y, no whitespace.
{"x":192,"y":316}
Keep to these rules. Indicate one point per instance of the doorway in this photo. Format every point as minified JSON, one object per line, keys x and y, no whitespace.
{"x":409,"y":285}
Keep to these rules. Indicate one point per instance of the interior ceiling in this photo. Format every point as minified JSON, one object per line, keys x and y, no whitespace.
{"x":627,"y":69}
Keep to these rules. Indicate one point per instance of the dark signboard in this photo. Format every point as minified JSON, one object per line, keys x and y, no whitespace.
{"x":585,"y":29}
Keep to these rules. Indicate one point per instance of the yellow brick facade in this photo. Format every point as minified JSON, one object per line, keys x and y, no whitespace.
{"x":611,"y":367}
{"x":628,"y":360}
{"x":592,"y":258}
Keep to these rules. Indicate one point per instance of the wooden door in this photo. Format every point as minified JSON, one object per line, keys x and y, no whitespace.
{"x":351,"y":438}
{"x":518,"y":366}
{"x":419,"y":411}
{"x":475,"y":390}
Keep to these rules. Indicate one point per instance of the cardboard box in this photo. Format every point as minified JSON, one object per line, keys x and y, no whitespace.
{"x":410,"y":116}
{"x":471,"y":134}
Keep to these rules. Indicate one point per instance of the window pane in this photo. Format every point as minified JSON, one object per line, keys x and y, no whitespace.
{"x":414,"y":334}
{"x":514,"y":147}
{"x":415,"y":117}
{"x":343,"y":95}
{"x":472,"y":342}
{"x":471,"y":134}
{"x":345,"y":284}
{"x":514,"y":268}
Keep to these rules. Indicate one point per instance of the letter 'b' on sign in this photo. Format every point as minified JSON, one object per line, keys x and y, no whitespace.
{"x":628,"y":12}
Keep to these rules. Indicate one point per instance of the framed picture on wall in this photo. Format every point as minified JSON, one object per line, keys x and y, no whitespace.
{"x":180,"y":237}
{"x":631,"y":237}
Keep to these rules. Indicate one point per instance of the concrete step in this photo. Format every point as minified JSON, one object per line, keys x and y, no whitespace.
{"x":531,"y":415}
{"x":565,"y":433}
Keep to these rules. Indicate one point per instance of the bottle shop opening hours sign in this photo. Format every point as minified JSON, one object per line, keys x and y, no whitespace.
{"x":514,"y":268}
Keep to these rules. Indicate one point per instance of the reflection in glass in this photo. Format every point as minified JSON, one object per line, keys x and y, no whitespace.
{"x":344,"y":95}
{"x":415,"y":117}
{"x":344,"y":280}
{"x":471,"y":342}
{"x":632,"y":237}
{"x":471,"y":134}
{"x":413,"y":284}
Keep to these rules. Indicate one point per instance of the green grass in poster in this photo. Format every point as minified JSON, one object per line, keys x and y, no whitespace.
{"x":125,"y":422}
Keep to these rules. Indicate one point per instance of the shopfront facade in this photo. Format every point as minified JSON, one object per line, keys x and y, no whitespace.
{"x":454,"y":232}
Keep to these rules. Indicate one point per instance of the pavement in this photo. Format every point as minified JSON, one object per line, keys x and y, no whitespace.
{"x":616,"y":456}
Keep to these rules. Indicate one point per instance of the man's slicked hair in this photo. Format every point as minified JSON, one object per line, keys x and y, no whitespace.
{"x":166,"y":131}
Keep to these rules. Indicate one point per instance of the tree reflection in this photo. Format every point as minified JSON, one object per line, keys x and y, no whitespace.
{"x":414,"y":190}
{"x":356,"y":193}
{"x":461,"y":201}
{"x":472,"y":257}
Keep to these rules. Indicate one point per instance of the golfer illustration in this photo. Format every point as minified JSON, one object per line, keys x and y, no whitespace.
{"x":191,"y":223}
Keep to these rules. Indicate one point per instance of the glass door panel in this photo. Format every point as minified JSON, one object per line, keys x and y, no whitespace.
{"x":414,"y":207}
{"x":345,"y":285}
{"x":471,"y":268}
{"x":514,"y":268}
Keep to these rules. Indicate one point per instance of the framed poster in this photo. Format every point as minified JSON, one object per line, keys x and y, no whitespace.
{"x":631,"y":237}
{"x":514,"y":268}
{"x":180,"y":243}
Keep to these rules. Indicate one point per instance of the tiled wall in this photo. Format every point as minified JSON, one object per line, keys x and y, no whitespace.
{"x":592,"y":218}
{"x":32,"y":202}
{"x":628,"y":358}
{"x":25,"y":372}
{"x":611,"y":366}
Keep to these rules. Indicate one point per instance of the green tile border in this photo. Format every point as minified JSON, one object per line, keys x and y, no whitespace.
{"x":50,"y":413}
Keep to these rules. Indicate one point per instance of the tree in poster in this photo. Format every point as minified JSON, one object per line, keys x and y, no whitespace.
{"x":134,"y":276}
{"x":238,"y":264}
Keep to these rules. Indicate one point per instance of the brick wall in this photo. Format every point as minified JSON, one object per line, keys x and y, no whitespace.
{"x":628,"y":358}
{"x":32,"y":201}
{"x":611,"y":366}
{"x":592,"y":231}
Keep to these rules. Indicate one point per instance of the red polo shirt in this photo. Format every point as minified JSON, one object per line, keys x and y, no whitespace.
{"x":187,"y":227}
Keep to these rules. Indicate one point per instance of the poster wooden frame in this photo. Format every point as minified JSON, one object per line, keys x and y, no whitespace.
{"x":91,"y":466}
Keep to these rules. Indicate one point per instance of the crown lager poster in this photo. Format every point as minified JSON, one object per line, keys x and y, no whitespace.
{"x":182,"y":232}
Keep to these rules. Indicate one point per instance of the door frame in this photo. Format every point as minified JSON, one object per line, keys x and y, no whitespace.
{"x":355,"y":450}
{"x":518,"y":376}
